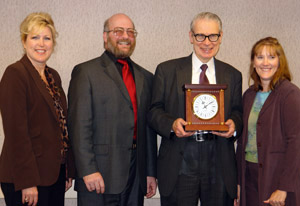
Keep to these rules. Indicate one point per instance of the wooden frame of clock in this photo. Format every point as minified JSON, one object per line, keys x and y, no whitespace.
{"x":204,"y":107}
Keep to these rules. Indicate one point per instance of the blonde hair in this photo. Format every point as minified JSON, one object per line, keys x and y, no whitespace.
{"x":36,"y":22}
{"x":282,"y":72}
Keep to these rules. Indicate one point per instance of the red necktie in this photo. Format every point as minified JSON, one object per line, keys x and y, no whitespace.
{"x":203,"y":78}
{"x":130,"y":85}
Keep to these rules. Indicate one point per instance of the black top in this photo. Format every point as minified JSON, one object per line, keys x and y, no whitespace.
{"x":118,"y":64}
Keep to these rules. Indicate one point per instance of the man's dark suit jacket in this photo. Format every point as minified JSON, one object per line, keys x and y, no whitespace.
{"x":31,"y":150}
{"x":168,"y":104}
{"x":101,"y":124}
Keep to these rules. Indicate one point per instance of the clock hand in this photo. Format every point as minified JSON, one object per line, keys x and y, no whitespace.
{"x":205,"y":106}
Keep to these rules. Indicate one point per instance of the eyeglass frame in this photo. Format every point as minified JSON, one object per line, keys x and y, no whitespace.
{"x":206,"y":36}
{"x":135,"y":33}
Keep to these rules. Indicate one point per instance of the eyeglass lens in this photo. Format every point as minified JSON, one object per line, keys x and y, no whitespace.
{"x":119,"y":31}
{"x":211,"y":37}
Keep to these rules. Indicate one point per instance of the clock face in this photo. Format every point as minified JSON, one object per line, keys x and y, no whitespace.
{"x":205,"y":106}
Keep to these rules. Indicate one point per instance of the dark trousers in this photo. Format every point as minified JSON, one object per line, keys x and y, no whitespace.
{"x":251,"y":184}
{"x":47,"y":195}
{"x":251,"y":187}
{"x":199,"y":178}
{"x":132,"y":195}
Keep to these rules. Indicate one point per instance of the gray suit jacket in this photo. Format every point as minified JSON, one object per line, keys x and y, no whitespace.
{"x":168,"y":104}
{"x":101,"y":124}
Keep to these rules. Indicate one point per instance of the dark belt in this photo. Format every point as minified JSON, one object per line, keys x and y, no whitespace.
{"x":200,"y":137}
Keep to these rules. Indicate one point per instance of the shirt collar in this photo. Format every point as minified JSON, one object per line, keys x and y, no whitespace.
{"x":197,"y":64}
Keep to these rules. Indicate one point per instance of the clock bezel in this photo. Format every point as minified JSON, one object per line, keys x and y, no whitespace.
{"x":215,"y":101}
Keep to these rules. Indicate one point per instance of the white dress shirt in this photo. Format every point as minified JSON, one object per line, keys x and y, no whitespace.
{"x":210,"y":72}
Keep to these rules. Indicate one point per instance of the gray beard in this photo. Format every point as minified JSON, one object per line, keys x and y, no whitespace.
{"x":118,"y":53}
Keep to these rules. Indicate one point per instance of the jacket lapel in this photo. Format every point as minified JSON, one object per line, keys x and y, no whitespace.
{"x":112,"y":72}
{"x":184,"y":73}
{"x":221,"y":76}
{"x":183,"y":76}
{"x":250,"y":100}
{"x":39,"y":83}
{"x":248,"y":105}
{"x":139,"y":82}
{"x":268,"y":101}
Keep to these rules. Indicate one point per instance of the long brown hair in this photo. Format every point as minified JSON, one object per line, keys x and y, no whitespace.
{"x":282,"y":72}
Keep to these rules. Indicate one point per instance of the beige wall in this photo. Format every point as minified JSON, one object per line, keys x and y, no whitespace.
{"x":163,"y":27}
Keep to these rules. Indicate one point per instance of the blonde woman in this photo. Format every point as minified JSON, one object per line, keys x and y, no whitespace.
{"x":36,"y":164}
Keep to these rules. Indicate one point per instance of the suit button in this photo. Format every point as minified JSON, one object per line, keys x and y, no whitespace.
{"x":260,"y":165}
{"x":258,"y":144}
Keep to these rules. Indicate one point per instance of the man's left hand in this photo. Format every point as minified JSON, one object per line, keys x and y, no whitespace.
{"x":231,"y":125}
{"x":151,"y":186}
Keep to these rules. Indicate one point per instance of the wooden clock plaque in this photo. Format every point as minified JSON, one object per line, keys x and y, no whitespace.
{"x":204,"y":107}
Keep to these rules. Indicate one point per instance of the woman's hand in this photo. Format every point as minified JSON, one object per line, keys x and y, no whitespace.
{"x":237,"y":200}
{"x":277,"y":198}
{"x":30,"y":196}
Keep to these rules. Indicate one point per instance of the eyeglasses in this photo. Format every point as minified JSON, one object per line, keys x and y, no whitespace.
{"x":119,"y":31}
{"x":202,"y":37}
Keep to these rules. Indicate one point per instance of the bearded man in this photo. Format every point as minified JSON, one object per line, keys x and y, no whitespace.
{"x":109,"y":97}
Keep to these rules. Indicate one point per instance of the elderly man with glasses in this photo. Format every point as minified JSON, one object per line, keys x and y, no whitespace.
{"x":189,"y":169}
{"x":109,"y":97}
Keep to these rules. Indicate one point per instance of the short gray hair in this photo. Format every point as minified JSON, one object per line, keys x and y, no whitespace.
{"x":206,"y":15}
